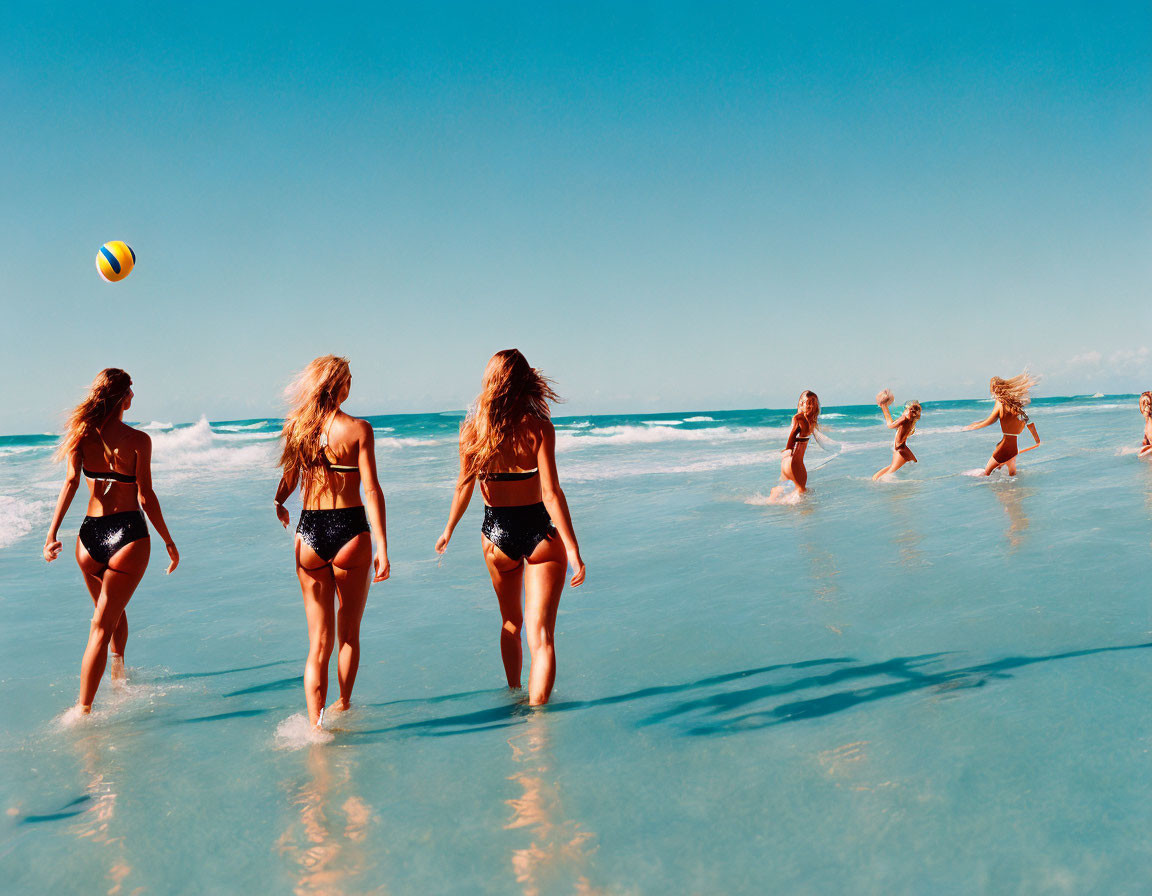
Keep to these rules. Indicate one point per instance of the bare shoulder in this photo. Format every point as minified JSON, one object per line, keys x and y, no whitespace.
{"x":137,"y":438}
{"x":541,"y":428}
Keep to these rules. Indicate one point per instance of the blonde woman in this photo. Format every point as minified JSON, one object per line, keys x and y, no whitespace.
{"x":1012,"y":396}
{"x":114,"y":545}
{"x":330,"y":454}
{"x":905,"y":426}
{"x":508,"y":443}
{"x":805,"y":426}
{"x":1146,"y":410}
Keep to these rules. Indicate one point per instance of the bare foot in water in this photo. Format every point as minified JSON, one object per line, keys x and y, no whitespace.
{"x":116,"y":668}
{"x":341,"y":705}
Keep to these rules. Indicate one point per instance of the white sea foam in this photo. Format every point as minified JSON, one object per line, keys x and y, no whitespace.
{"x":630,"y":435}
{"x":1098,"y":395}
{"x":383,"y":429}
{"x":295,"y":733}
{"x":197,"y":450}
{"x":579,"y":424}
{"x":387,"y":442}
{"x":663,"y":422}
{"x":620,"y":468}
{"x":240,"y":427}
{"x":699,"y":419}
{"x":9,"y":451}
{"x":155,"y":425}
{"x":18,"y":517}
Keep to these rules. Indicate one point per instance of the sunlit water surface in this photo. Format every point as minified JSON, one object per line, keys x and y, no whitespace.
{"x":933,"y":684}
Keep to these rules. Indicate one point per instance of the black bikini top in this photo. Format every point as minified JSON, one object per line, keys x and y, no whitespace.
{"x":511,"y":477}
{"x":106,"y":475}
{"x":335,"y":468}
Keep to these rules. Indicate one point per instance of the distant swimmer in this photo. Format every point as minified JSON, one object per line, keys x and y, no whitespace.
{"x":508,"y":443}
{"x":905,"y":426}
{"x":114,"y":543}
{"x":805,"y":426}
{"x":1012,"y":396}
{"x":1146,"y":410}
{"x":330,"y":454}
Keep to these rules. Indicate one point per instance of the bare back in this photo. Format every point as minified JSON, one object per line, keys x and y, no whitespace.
{"x":515,"y":459}
{"x":330,"y":486}
{"x":121,"y":443}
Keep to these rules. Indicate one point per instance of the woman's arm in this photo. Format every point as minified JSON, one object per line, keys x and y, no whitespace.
{"x":1035,"y":435}
{"x":554,"y":500}
{"x":287,"y":485}
{"x":461,"y":498}
{"x":888,"y":417}
{"x":987,"y":421}
{"x":149,"y":503}
{"x":373,"y":498}
{"x":52,"y":544}
{"x":792,"y":433}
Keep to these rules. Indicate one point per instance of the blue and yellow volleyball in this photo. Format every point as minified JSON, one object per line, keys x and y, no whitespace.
{"x":115,"y":260}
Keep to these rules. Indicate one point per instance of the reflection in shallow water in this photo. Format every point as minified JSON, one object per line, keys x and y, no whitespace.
{"x":98,"y":824}
{"x":1012,"y":496}
{"x":556,"y":859}
{"x":909,"y":534}
{"x":325,"y":839}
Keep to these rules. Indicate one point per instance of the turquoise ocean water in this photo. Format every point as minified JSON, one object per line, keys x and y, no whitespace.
{"x":934,"y":684}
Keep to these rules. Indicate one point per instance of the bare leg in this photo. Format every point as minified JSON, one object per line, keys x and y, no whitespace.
{"x":117,"y":585}
{"x":507,"y":580}
{"x":543,"y":583}
{"x":1012,"y":467}
{"x":92,"y":572}
{"x":318,"y":586}
{"x":352,"y":568}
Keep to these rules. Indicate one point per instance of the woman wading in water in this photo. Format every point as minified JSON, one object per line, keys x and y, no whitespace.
{"x":114,"y":544}
{"x":1012,"y":396}
{"x":805,"y":426}
{"x":329,"y":454}
{"x":508,"y":443}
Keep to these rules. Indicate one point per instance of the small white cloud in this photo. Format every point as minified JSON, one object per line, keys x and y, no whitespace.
{"x":1086,"y":358}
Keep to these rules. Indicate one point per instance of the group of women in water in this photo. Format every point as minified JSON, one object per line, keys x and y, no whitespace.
{"x":507,"y":445}
{"x":1011,"y":397}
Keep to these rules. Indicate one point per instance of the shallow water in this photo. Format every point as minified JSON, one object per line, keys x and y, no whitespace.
{"x":936,"y":683}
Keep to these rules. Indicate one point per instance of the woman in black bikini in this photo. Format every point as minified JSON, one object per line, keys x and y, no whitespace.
{"x":508,"y":443}
{"x":329,"y":454}
{"x":1012,"y":396}
{"x":114,"y":544}
{"x":805,"y":426}
{"x":904,"y":425}
{"x":1146,"y":410}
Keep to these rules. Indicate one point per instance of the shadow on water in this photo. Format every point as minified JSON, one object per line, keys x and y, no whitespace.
{"x":733,"y":710}
{"x":181,"y":676}
{"x":221,"y":716}
{"x":68,"y":810}
{"x":280,"y":684}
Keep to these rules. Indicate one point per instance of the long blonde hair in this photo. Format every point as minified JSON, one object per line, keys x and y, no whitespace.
{"x":1146,"y":404}
{"x":1013,"y":393}
{"x":913,"y":410}
{"x":100,"y":405}
{"x":815,"y":419}
{"x":512,"y":392}
{"x":313,"y":397}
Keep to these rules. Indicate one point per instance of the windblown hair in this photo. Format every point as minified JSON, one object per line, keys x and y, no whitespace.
{"x":913,"y":410}
{"x":808,"y":393}
{"x":1013,"y":393}
{"x":1146,"y":404}
{"x":89,"y":418}
{"x":313,"y":397}
{"x":512,"y":392}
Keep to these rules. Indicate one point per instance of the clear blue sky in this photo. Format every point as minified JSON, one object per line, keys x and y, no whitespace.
{"x":666,"y":206}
